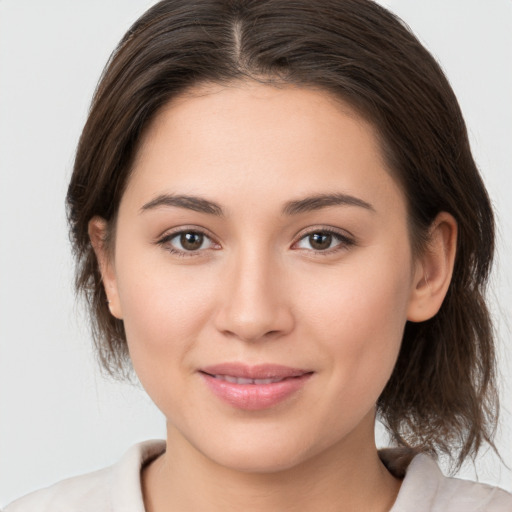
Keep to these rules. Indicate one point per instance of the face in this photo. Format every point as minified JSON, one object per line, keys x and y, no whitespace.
{"x":263,"y":270}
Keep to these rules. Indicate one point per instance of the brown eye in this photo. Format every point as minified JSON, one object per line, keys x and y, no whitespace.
{"x":320,"y":241}
{"x":191,"y":241}
{"x":185,"y":242}
{"x":324,"y":241}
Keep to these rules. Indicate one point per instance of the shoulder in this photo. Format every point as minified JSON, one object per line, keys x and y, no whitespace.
{"x":114,"y":488}
{"x":426,"y":489}
{"x":73,"y":494}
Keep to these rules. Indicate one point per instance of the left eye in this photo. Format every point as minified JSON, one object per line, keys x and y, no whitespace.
{"x":321,"y":241}
{"x":188,"y":241}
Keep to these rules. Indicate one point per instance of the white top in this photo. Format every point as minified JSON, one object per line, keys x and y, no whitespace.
{"x":118,"y":489}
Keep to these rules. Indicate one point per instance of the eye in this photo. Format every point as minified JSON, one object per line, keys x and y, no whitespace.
{"x":323,"y":241}
{"x":188,"y":241}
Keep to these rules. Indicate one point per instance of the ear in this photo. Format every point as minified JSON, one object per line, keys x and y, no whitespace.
{"x":97,"y":230}
{"x":434,"y":268}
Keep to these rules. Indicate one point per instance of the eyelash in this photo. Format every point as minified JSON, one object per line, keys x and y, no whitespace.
{"x":165,"y":241}
{"x":344,"y":241}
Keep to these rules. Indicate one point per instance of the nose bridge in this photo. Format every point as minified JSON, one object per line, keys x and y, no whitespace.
{"x":254,"y":303}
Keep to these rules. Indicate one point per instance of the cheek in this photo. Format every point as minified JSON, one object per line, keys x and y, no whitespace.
{"x":163,"y":312}
{"x":358,"y":317}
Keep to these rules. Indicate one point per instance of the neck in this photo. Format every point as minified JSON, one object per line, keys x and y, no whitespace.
{"x":350,"y":475}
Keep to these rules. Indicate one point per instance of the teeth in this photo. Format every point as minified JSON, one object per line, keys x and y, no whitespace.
{"x":242,"y":380}
{"x":266,"y":381}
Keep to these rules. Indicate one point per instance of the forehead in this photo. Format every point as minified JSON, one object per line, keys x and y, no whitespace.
{"x":247,"y":138}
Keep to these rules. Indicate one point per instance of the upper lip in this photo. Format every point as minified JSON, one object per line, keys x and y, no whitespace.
{"x":259,"y":371}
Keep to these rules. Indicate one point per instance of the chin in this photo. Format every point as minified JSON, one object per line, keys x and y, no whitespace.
{"x":263,"y":459}
{"x":264,"y":450}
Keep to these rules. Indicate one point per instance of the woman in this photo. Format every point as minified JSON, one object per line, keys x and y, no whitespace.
{"x":278,"y":222}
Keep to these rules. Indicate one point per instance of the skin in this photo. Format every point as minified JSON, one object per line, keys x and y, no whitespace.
{"x":258,"y":291}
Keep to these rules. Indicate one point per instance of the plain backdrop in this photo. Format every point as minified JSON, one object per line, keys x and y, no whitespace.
{"x":58,"y":416}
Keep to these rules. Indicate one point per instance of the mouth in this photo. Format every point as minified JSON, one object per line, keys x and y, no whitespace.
{"x":253,"y":373}
{"x":243,"y":380}
{"x":254,"y":387}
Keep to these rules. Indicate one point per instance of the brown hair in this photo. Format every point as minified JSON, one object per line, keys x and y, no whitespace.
{"x":441,"y":396}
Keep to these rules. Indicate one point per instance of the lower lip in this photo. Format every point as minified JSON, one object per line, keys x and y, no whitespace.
{"x":254,"y":397}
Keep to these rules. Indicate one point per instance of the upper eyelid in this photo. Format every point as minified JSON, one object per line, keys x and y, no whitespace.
{"x":169,"y":234}
{"x":342,"y":233}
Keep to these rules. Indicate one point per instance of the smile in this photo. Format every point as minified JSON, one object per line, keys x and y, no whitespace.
{"x":254,"y":388}
{"x":243,"y":380}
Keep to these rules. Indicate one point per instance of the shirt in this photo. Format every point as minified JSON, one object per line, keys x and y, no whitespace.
{"x":118,"y":489}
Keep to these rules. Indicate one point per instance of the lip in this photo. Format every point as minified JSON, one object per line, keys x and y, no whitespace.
{"x":254,"y":396}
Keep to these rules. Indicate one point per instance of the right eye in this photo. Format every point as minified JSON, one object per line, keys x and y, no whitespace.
{"x":187,"y":241}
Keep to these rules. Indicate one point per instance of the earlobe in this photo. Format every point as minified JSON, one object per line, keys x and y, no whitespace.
{"x":434,"y":269}
{"x":97,"y":229}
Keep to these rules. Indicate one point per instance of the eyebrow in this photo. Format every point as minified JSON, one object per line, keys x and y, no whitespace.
{"x":319,"y":201}
{"x":194,"y":203}
{"x":307,"y":204}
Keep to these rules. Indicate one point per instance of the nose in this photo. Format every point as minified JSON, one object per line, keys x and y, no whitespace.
{"x":254,"y":304}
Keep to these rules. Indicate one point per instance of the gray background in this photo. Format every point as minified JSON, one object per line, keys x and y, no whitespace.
{"x":58,"y":416}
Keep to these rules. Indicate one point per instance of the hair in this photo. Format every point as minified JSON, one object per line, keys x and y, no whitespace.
{"x":441,"y":397}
